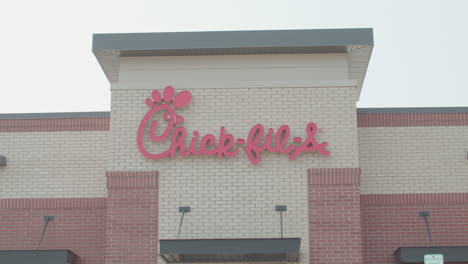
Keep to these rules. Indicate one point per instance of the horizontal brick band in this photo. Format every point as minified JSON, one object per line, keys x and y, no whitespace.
{"x":334,"y":176}
{"x":415,"y":119}
{"x":132,"y":179}
{"x":414,"y":198}
{"x":51,"y":203}
{"x":55,"y":124}
{"x":103,"y":123}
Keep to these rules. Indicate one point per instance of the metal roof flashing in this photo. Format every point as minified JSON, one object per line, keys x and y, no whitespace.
{"x":357,"y":42}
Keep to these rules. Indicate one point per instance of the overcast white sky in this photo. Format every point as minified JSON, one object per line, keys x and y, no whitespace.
{"x":420,"y":56}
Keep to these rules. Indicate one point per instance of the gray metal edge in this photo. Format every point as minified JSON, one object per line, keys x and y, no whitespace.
{"x":232,"y":39}
{"x":55,"y":115}
{"x":412,"y":110}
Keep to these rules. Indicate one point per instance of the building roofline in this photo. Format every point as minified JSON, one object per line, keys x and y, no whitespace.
{"x":207,"y":42}
{"x":412,"y":110}
{"x":55,"y":115}
{"x":404,"y":110}
{"x":358,"y":42}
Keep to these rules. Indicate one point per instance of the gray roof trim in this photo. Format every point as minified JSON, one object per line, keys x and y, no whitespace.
{"x":358,"y":42}
{"x":208,"y":40}
{"x":412,"y":110}
{"x":55,"y":115}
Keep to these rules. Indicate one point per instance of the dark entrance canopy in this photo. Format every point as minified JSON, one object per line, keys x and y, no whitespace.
{"x":38,"y":256}
{"x":406,"y":255}
{"x":230,"y":250}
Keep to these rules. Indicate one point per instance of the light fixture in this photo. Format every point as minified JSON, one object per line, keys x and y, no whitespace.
{"x":281,"y":209}
{"x":425,"y":215}
{"x":183,"y":210}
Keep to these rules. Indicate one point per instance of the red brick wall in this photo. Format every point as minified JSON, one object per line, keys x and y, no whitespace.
{"x":121,"y":228}
{"x":334,"y":216}
{"x":102,"y":123}
{"x":55,"y":124}
{"x":390,"y":221}
{"x":79,"y":225}
{"x":132,"y":217}
{"x":410,"y":120}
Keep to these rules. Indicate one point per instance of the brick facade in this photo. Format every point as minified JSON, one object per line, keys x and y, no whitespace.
{"x":79,"y":225}
{"x":230,"y":197}
{"x":358,"y":205}
{"x":414,"y":119}
{"x":334,"y":216}
{"x":387,"y":220}
{"x":390,"y":221}
{"x":55,"y":124}
{"x":424,"y":159}
{"x":132,"y":217}
{"x":54,"y":164}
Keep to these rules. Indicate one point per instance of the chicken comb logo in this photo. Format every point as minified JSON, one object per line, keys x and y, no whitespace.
{"x":226,"y":145}
{"x":180,"y":100}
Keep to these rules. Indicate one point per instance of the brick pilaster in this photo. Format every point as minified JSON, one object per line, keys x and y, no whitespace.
{"x":334,"y":215}
{"x":132,"y":217}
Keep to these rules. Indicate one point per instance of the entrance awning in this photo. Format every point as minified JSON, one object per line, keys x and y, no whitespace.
{"x":406,"y":255}
{"x":230,"y":250}
{"x":38,"y":256}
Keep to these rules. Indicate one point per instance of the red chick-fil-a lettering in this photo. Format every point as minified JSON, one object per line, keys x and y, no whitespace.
{"x":227,"y":145}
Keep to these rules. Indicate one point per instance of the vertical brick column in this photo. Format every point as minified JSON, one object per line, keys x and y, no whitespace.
{"x":334,"y":215}
{"x":132,"y":217}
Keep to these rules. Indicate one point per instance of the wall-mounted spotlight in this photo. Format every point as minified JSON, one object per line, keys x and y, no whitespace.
{"x":281,"y":209}
{"x":2,"y":161}
{"x":425,"y":215}
{"x":183,"y":210}
{"x":47,"y":219}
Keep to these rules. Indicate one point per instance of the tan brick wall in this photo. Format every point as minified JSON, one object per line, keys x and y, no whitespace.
{"x":230,"y":197}
{"x":429,"y":159}
{"x":54,"y":164}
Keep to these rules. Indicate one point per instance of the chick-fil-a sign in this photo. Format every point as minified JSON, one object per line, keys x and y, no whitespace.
{"x":258,"y":140}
